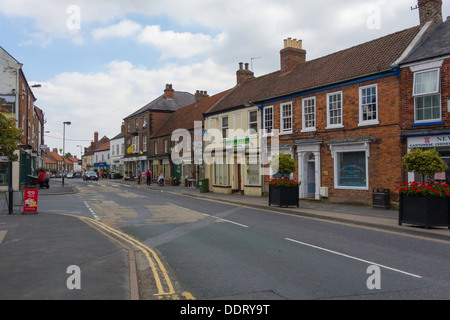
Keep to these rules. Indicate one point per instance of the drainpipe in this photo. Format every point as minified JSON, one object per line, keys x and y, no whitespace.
{"x":261,"y":152}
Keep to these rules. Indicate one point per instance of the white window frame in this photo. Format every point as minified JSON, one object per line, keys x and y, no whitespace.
{"x":336,"y":125}
{"x":436,"y":92}
{"x":282,"y":118}
{"x":265,"y":121}
{"x":144,"y":143}
{"x":224,"y":136}
{"x":304,"y":113}
{"x":363,"y":122}
{"x":342,"y":148}
{"x":252,"y":122}
{"x":136,"y":144}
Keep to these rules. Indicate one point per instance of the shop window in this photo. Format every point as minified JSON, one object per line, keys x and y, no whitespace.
{"x":221,"y":173}
{"x":253,"y":174}
{"x":427,"y":97}
{"x":4,"y":169}
{"x":352,"y":169}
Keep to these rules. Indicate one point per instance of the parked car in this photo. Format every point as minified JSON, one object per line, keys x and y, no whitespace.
{"x":90,"y":175}
{"x":69,"y":175}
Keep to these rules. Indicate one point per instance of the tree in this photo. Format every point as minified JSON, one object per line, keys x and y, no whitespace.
{"x":283,"y":164}
{"x":10,"y":137}
{"x":425,"y":163}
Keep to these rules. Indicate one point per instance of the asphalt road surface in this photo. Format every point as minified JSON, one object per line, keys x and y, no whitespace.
{"x":213,"y":250}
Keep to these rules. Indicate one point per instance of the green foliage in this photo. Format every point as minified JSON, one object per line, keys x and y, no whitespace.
{"x":426,"y":163}
{"x":10,"y":137}
{"x":283,"y":164}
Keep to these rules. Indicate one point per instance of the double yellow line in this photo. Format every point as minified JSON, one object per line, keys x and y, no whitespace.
{"x":163,"y":283}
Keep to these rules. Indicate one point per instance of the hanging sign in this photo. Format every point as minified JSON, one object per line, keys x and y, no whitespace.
{"x":30,"y":201}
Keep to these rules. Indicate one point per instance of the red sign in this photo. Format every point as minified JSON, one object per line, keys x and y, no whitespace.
{"x":30,"y":200}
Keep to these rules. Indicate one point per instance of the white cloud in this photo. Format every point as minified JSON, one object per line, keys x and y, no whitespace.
{"x":202,"y":40}
{"x":100,"y":101}
{"x":124,"y":29}
{"x":178,"y":45}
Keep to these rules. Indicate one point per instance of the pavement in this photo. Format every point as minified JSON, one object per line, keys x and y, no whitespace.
{"x":38,"y":252}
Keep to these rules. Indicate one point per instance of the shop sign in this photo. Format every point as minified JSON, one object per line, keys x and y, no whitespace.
{"x":237,"y":143}
{"x":30,"y":200}
{"x":429,"y":142}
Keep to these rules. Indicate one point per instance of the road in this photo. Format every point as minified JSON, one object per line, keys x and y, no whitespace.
{"x":213,"y":250}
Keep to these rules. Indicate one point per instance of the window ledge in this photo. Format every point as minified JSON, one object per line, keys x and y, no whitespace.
{"x":369,"y":123}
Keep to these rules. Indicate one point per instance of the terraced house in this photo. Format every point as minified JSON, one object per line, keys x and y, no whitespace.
{"x":17,"y":103}
{"x":338,"y":116}
{"x":425,"y":94}
{"x":178,"y":133}
{"x":140,"y":155}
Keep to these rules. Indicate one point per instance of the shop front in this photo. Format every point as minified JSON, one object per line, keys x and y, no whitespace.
{"x":438,"y":140}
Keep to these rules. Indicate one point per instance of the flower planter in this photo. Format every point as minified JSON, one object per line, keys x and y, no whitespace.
{"x":284,"y":196}
{"x":427,"y":211}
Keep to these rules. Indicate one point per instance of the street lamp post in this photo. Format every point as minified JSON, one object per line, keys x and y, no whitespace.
{"x":64,"y":148}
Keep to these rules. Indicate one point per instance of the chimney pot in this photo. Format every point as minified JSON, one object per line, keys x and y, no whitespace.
{"x":169,"y":92}
{"x":430,"y":10}
{"x":244,"y":74}
{"x":292,"y":54}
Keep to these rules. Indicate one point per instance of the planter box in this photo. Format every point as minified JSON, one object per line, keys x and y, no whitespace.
{"x":424,"y":211}
{"x":283,"y":196}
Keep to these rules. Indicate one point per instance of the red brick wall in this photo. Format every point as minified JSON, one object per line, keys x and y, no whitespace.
{"x":407,"y":99}
{"x":385,"y":154}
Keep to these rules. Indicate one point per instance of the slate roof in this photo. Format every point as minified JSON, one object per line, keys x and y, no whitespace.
{"x":373,"y":57}
{"x":435,"y":44}
{"x":161,"y":103}
{"x":184,"y":117}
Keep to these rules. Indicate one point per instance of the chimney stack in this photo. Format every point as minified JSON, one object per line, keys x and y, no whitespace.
{"x":430,"y":10}
{"x":200,"y":95}
{"x":244,"y":75}
{"x":95,"y":137}
{"x":169,"y":92}
{"x":292,"y":55}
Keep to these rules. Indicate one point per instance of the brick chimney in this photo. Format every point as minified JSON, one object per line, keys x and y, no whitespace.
{"x":169,"y":92}
{"x":430,"y":10}
{"x":244,"y":75}
{"x":95,"y":137}
{"x":292,"y":55}
{"x":200,"y":95}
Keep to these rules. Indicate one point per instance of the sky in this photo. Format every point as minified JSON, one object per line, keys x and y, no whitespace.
{"x":99,"y":61}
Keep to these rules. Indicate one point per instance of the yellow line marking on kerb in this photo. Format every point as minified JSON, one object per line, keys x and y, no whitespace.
{"x":148,"y":252}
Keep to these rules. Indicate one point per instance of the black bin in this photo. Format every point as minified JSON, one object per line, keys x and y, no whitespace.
{"x":381,"y":198}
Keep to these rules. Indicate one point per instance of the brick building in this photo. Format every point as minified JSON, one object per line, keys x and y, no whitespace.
{"x":338,"y":116}
{"x":162,"y":145}
{"x":425,"y":92}
{"x":17,"y":102}
{"x":140,"y":125}
{"x":88,"y":158}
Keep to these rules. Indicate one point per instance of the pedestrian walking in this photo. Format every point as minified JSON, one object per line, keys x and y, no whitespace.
{"x":149,"y":177}
{"x":139,"y":177}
